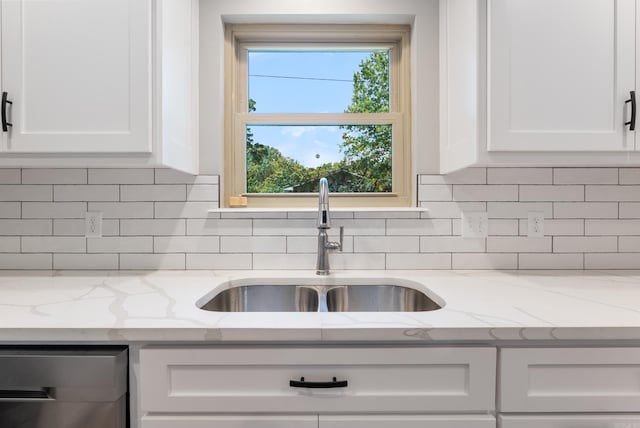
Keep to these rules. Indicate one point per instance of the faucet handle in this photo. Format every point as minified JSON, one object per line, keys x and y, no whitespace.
{"x":341,"y":237}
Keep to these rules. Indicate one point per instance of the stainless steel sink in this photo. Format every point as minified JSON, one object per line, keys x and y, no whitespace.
{"x":364,"y":295}
{"x":264,"y":298}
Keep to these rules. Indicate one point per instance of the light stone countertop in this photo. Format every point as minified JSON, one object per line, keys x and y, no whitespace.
{"x":160,"y":306}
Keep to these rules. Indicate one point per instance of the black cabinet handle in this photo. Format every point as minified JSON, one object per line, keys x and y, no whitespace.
{"x":5,"y":101}
{"x":632,"y":122}
{"x":304,"y":384}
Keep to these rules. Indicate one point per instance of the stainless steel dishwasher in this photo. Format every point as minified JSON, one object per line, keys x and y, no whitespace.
{"x":63,"y":387}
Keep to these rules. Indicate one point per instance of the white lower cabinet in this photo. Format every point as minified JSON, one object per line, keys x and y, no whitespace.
{"x":328,"y":387}
{"x":576,"y":421}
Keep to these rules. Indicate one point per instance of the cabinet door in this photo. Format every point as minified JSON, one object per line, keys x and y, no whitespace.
{"x":79,"y":75}
{"x":577,"y":421}
{"x":185,"y":421}
{"x":399,"y":421}
{"x":559,"y":74}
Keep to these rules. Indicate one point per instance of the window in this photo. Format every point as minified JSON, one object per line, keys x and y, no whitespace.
{"x":305,"y":102}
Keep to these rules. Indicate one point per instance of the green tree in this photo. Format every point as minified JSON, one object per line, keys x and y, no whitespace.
{"x":367,"y":148}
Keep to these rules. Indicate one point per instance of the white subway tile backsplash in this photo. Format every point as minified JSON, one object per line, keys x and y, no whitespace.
{"x":53,"y":244}
{"x":185,"y":209}
{"x":612,"y":261}
{"x":253,"y":244}
{"x":518,"y":209}
{"x":585,"y":210}
{"x":10,"y":209}
{"x":122,"y":209}
{"x":25,"y":227}
{"x":450,"y":209}
{"x":629,"y":209}
{"x":9,"y":244}
{"x":612,"y":227}
{"x":518,"y":244}
{"x":561,"y":227}
{"x":419,"y":261}
{"x":463,"y":176}
{"x":552,"y":193}
{"x":629,"y":244}
{"x":10,"y":176}
{"x":202,"y":192}
{"x":144,"y":192}
{"x":386,"y":244}
{"x":54,"y":176}
{"x":91,"y":193}
{"x":484,"y":261}
{"x":275,"y":227}
{"x":152,"y":261}
{"x":353,"y":261}
{"x":160,"y":219}
{"x":451,"y":244}
{"x":219,"y":261}
{"x":612,"y":193}
{"x":629,"y":175}
{"x":220,"y":227}
{"x":54,"y":209}
{"x":585,"y":176}
{"x":550,"y":261}
{"x":26,"y":261}
{"x":491,"y":192}
{"x":585,"y":244}
{"x":186,"y":244}
{"x":76,"y":227}
{"x":120,"y":244}
{"x":286,"y":261}
{"x":17,"y":192}
{"x":424,"y":227}
{"x":519,"y":176}
{"x":121,"y":176}
{"x":435,"y":192}
{"x":172,"y":176}
{"x":85,"y":261}
{"x":136,"y":227}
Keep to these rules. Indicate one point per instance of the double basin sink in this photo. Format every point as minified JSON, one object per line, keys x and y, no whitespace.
{"x":336,"y":295}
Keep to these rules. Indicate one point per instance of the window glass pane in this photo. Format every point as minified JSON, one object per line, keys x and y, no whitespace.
{"x":336,"y":81}
{"x":291,"y":159}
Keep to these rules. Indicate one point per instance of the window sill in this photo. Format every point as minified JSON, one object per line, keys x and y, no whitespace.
{"x":336,"y":213}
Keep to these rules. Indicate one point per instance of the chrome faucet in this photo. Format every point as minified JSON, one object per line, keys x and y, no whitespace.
{"x":324,"y":224}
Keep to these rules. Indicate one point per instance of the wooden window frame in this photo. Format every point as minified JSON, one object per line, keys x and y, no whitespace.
{"x":239,"y":38}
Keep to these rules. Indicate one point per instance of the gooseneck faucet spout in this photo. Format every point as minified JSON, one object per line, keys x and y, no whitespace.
{"x":324,"y":224}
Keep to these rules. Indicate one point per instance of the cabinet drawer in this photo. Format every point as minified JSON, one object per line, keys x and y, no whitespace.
{"x":286,"y":421}
{"x":570,"y":380}
{"x":257,"y":380}
{"x":402,"y":421}
{"x":582,"y":421}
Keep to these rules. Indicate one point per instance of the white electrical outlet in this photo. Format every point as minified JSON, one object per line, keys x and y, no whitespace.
{"x":475,"y":224}
{"x":93,"y":224}
{"x":535,"y":224}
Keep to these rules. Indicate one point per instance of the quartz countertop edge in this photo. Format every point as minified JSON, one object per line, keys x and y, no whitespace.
{"x":160,"y":306}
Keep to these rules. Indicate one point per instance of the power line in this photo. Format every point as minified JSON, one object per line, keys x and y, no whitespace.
{"x":301,"y":78}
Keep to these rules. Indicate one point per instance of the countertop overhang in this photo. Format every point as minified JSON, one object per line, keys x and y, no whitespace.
{"x":159,"y":306}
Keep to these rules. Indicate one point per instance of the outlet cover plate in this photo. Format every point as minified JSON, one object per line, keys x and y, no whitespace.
{"x":475,"y":224}
{"x":535,"y":224}
{"x":93,"y":224}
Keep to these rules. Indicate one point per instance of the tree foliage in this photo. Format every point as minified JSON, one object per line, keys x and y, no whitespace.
{"x":366,"y":166}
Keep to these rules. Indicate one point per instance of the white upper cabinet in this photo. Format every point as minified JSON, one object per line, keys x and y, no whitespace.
{"x":559,"y":74}
{"x":78,"y":74}
{"x":537,"y":83}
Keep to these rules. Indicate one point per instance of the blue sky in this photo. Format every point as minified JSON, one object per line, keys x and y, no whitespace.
{"x":302,"y":82}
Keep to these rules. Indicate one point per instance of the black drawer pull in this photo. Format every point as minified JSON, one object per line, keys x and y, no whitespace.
{"x":305,"y":384}
{"x":3,"y":109}
{"x":632,"y":100}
